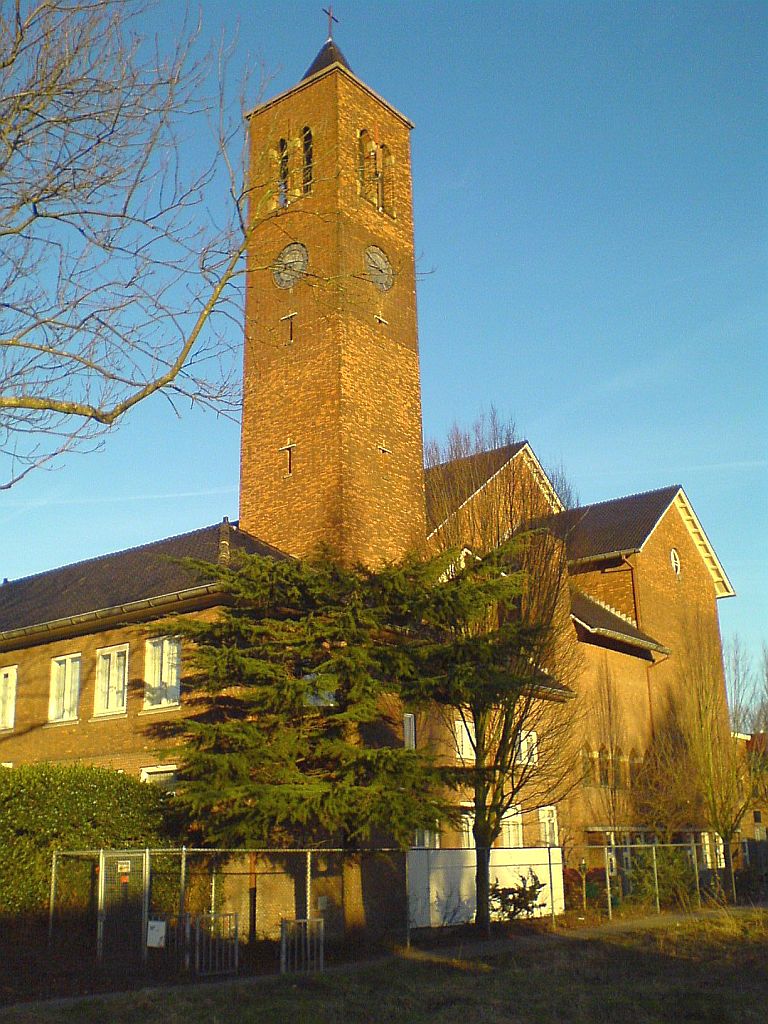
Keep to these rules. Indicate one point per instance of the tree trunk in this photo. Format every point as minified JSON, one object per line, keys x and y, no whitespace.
{"x":730,"y":878}
{"x":482,"y":889}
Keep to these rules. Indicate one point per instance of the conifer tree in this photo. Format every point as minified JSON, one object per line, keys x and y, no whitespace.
{"x":297,"y":737}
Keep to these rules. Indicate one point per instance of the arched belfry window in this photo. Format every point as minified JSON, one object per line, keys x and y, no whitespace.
{"x":386,"y":180}
{"x":282,"y":174}
{"x":603,"y":767}
{"x":308,"y":159}
{"x":375,"y":173}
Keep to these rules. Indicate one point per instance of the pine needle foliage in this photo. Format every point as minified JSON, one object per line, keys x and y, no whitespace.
{"x":298,"y":736}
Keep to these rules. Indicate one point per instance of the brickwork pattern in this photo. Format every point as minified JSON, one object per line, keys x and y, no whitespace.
{"x":345,"y":391}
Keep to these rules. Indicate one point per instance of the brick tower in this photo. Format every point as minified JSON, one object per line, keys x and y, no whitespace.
{"x":331,"y":437}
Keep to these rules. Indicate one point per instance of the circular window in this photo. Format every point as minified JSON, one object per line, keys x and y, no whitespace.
{"x":674,"y":558}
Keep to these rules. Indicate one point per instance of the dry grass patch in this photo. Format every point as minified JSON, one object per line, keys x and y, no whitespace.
{"x":709,"y":971}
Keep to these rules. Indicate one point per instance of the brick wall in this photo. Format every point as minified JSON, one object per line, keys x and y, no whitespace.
{"x":347,"y":385}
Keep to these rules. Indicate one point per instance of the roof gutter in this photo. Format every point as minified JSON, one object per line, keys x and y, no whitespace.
{"x":648,"y":645}
{"x":167,"y":600}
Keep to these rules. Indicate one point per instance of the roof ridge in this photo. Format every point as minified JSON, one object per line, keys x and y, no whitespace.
{"x":672,"y":488}
{"x":513,"y":446}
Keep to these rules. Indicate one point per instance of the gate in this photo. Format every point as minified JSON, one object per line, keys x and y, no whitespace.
{"x":302,"y":946}
{"x":123,"y":904}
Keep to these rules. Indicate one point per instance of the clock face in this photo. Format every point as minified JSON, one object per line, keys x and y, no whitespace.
{"x":378,"y":268}
{"x":291,"y":265}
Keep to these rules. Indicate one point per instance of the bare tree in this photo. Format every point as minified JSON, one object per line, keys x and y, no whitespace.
{"x":515,"y":742}
{"x":610,"y":796}
{"x":726,"y":775}
{"x":117,"y":281}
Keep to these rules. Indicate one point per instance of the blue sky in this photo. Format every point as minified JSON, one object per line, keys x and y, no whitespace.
{"x":590,"y":208}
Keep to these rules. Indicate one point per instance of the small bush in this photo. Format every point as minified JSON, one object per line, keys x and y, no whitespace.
{"x":676,"y":878}
{"x":510,"y":902}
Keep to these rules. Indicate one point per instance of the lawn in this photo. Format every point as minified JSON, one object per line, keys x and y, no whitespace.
{"x":712,"y":970}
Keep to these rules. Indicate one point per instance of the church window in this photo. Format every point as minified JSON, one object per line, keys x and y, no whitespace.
{"x":603,"y":767}
{"x":7,"y":696}
{"x":587,"y":767}
{"x":111,"y":680}
{"x":674,"y":558}
{"x":162,"y":663}
{"x":385,"y":181}
{"x":65,"y":689}
{"x":635,"y":767}
{"x":308,"y":169}
{"x":617,"y":765}
{"x":366,"y":166}
{"x":282,"y":177}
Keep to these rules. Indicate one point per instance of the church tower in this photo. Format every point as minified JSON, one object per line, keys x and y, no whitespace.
{"x":331,"y":437}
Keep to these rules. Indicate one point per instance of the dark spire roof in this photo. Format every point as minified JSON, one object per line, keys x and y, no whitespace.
{"x":329,"y":54}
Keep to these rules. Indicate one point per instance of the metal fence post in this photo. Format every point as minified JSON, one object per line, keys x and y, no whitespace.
{"x":100,"y":907}
{"x":695,"y":863}
{"x":407,"y":904}
{"x":608,"y":884}
{"x":309,"y":885}
{"x":52,"y":898}
{"x":551,"y":887}
{"x":182,"y":883}
{"x":146,"y":864}
{"x":656,"y":879}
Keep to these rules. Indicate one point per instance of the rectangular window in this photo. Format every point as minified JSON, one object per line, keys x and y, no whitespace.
{"x":464,"y":738}
{"x":111,"y":680}
{"x":162,"y":663}
{"x":409,"y":731}
{"x":527,"y":748}
{"x":466,"y":824}
{"x":8,"y":696}
{"x":548,"y":826}
{"x":427,"y":838}
{"x":65,"y":688}
{"x":512,"y":827}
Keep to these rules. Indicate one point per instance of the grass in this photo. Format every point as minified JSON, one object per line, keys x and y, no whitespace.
{"x":694,"y":970}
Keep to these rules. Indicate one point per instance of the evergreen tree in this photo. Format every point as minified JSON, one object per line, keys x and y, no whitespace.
{"x":298,"y":735}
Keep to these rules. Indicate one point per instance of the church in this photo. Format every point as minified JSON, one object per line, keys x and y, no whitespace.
{"x":332,"y":453}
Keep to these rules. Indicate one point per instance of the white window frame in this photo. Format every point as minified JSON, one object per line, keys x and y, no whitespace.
{"x":464,"y":738}
{"x":512,"y":828}
{"x":527,"y":748}
{"x":549,"y":831}
{"x":427,"y":838}
{"x":168,"y":690}
{"x":466,"y":824}
{"x":409,"y":731}
{"x":64,"y":697}
{"x":8,"y":679}
{"x":107,"y":661}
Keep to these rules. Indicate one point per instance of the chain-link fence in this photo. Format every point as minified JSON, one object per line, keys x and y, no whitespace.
{"x":649,"y":875}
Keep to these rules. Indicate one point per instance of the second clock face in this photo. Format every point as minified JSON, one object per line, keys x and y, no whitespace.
{"x":378,"y":268}
{"x":290,"y":265}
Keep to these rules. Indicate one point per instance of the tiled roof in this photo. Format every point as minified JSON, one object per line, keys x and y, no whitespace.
{"x":601,"y":621}
{"x":329,"y":54}
{"x":609,"y":527}
{"x":119,"y":579}
{"x":448,"y":485}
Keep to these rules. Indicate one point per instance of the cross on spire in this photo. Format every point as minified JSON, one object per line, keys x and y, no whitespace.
{"x":331,"y":18}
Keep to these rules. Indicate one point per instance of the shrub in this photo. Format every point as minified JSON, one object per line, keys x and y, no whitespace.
{"x":677,"y":881}
{"x":46,"y":807}
{"x":510,"y":902}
